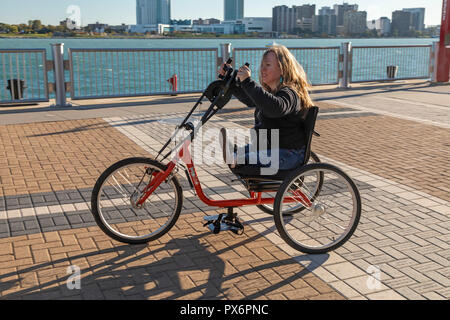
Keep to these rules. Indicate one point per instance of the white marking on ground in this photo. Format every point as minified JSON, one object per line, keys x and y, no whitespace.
{"x":391,"y":114}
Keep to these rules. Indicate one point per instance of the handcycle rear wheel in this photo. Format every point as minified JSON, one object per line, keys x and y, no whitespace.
{"x":328,"y":219}
{"x":267,"y":208}
{"x":115,"y":195}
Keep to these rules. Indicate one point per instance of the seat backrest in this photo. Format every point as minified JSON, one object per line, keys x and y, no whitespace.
{"x":308,"y":125}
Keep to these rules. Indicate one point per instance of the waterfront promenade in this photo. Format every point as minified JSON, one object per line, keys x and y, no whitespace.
{"x":393,"y":139}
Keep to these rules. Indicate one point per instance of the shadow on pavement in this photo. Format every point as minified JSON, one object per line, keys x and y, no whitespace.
{"x":128,"y":123}
{"x":94,"y":106}
{"x":353,"y":92}
{"x":156,"y":280}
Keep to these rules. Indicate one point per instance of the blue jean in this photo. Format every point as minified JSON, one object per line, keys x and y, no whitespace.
{"x":288,"y":158}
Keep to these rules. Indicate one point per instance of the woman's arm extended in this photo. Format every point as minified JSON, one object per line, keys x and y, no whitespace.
{"x":273,"y":106}
{"x":243,"y":97}
{"x":237,"y":91}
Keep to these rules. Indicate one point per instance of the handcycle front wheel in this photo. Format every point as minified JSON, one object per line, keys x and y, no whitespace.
{"x":328,"y":220}
{"x":116,"y":209}
{"x":267,"y":208}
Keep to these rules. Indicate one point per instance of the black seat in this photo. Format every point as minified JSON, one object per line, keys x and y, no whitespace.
{"x":253,"y":173}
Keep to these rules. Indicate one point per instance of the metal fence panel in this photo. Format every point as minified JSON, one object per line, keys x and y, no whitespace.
{"x":103,"y":73}
{"x":370,"y":63}
{"x":98,"y":73}
{"x":320,"y":64}
{"x":28,"y":65}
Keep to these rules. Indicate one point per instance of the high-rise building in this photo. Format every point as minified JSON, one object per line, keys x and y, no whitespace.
{"x":382,"y":25}
{"x":285,"y":19}
{"x":341,"y":9}
{"x":401,"y":23}
{"x":281,"y":16}
{"x":417,"y":18}
{"x":326,"y":11}
{"x":152,"y":12}
{"x":233,"y":10}
{"x":303,"y":17}
{"x":304,"y":11}
{"x":355,"y":22}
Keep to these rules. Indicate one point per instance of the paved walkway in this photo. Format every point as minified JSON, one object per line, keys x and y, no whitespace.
{"x":398,"y":157}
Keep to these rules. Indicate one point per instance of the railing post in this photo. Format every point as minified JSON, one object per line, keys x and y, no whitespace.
{"x":58,"y":69}
{"x":433,"y":61}
{"x":344,"y":79}
{"x":225,"y":51}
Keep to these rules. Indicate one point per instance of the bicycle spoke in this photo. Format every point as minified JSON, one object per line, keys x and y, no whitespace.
{"x":341,"y":227}
{"x":129,"y":183}
{"x":120,"y":190}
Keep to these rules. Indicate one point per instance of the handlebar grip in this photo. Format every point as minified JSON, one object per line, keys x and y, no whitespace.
{"x":225,"y":68}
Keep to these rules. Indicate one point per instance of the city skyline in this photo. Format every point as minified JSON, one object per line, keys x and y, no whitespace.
{"x":124,"y":11}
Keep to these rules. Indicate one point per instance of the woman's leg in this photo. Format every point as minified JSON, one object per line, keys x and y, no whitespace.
{"x":290,"y":158}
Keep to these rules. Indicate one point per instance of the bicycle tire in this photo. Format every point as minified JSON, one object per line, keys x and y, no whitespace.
{"x":100,"y":218}
{"x":356,"y":209}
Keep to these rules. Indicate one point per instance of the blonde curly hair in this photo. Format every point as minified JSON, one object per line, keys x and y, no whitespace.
{"x":293,"y":74}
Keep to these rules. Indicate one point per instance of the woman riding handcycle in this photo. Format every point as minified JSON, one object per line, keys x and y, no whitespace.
{"x":316,"y":206}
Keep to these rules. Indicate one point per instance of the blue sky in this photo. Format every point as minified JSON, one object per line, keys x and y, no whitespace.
{"x":124,"y":11}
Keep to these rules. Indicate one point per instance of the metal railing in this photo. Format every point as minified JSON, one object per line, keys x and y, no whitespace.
{"x":23,"y":75}
{"x":102,"y":73}
{"x":370,"y":63}
{"x":109,"y":73}
{"x":320,"y":64}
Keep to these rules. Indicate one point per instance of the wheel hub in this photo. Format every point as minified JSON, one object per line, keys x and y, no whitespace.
{"x":318,"y":209}
{"x":134,"y":201}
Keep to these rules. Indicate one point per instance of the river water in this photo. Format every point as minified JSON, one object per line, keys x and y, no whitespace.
{"x":100,"y":74}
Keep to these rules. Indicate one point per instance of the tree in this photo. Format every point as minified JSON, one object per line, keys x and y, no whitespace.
{"x":5,"y":27}
{"x":13,"y":29}
{"x":37,"y":25}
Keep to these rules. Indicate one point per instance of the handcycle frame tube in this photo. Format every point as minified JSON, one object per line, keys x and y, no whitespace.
{"x":206,"y":116}
{"x":184,"y":154}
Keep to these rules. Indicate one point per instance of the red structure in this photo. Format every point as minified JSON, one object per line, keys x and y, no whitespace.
{"x":443,"y":62}
{"x":174,"y":82}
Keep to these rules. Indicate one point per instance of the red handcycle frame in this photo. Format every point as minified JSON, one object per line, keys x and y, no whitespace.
{"x":185,"y":156}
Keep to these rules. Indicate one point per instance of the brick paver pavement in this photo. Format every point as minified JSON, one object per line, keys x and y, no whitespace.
{"x":403,"y":233}
{"x":46,"y":227}
{"x":187,"y":263}
{"x":56,"y":156}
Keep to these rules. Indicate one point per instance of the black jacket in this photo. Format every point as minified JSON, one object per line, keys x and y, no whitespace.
{"x":281,"y":110}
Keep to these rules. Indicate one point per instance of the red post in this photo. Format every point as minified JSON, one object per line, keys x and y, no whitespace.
{"x":174,"y":82}
{"x":443,"y":62}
